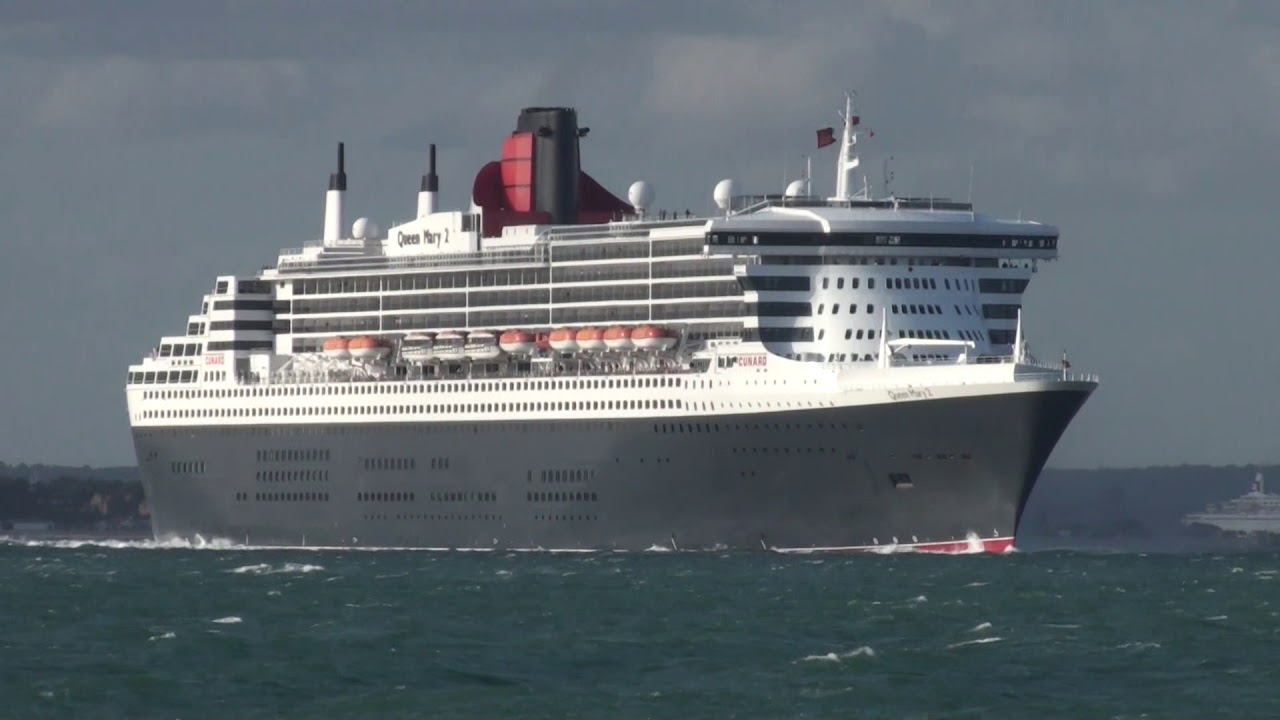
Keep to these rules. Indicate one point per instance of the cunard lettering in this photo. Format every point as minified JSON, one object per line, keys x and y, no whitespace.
{"x":214,"y":359}
{"x":753,"y":360}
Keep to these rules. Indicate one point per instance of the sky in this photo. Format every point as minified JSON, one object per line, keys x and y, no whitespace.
{"x":147,"y":146}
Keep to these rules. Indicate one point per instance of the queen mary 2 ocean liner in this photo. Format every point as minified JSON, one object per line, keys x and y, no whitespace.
{"x":556,"y":368}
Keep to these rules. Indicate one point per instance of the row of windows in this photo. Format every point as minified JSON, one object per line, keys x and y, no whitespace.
{"x":310,"y":475}
{"x":293,"y":455}
{"x":913,"y":309}
{"x":380,"y":429}
{"x":162,"y":377}
{"x":240,"y":325}
{"x":775,"y":283}
{"x":560,"y":497}
{"x":780,"y":309}
{"x":440,"y":463}
{"x":291,"y":497}
{"x":194,"y":467}
{"x":195,"y":329}
{"x":429,"y":387}
{"x":841,"y":259}
{"x":385,"y":497}
{"x":1000,"y":311}
{"x":242,"y":304}
{"x":778,"y":335}
{"x":571,"y":518}
{"x":853,"y":308}
{"x":521,"y":317}
{"x":520,"y":407}
{"x":464,"y":496}
{"x":381,"y":463}
{"x":221,"y":345}
{"x":425,"y":516}
{"x":564,"y":476}
{"x":642,"y":271}
{"x":862,"y":239}
{"x":1002,"y":285}
{"x":180,"y":349}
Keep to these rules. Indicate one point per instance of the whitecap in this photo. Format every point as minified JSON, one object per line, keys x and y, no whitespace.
{"x":864,"y":650}
{"x":980,"y":627}
{"x":228,"y":620}
{"x":166,"y":636}
{"x":267,"y":569}
{"x":1138,"y":645}
{"x":979,"y":641}
{"x":1217,"y":617}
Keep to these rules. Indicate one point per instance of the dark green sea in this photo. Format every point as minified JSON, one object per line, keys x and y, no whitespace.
{"x":92,"y":631}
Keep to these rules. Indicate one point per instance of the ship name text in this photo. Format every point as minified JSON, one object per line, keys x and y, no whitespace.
{"x":910,"y":394}
{"x":426,"y":236}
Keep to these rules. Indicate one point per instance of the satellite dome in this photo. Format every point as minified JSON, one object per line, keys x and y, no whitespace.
{"x":640,"y":195}
{"x":724,"y":193}
{"x":360,"y":228}
{"x":795,"y":189}
{"x":372,"y":231}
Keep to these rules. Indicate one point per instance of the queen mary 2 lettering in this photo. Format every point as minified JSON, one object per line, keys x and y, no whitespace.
{"x":555,"y":367}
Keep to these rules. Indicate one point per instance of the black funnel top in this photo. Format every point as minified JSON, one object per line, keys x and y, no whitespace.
{"x":338,"y":180}
{"x":430,"y":182}
{"x":555,"y":157}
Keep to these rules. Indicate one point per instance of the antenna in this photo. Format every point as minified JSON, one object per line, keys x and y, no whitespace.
{"x":888,"y":175}
{"x":971,"y":184}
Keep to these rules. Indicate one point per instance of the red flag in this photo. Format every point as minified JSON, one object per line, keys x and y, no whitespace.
{"x":826,"y":136}
{"x":855,"y":120}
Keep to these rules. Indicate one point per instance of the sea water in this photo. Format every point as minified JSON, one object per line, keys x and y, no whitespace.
{"x":136,"y":630}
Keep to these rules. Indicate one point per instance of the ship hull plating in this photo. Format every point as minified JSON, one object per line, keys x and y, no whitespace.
{"x":936,"y":471}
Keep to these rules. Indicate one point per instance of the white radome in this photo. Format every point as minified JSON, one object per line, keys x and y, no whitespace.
{"x":724,"y":192}
{"x":640,"y":195}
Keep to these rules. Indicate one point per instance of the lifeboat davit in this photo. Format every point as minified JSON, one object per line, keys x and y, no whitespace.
{"x":482,"y":345}
{"x":517,"y":342}
{"x":367,"y":348}
{"x":564,"y":340}
{"x":618,"y":337}
{"x":590,"y":338}
{"x":449,"y":345}
{"x":542,"y":340}
{"x":336,"y":348}
{"x":417,"y":347}
{"x":652,"y":337}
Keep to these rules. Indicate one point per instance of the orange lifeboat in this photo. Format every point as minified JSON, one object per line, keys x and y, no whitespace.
{"x":590,"y":338}
{"x":618,"y":337}
{"x":564,"y":340}
{"x":367,"y":348}
{"x":517,"y":342}
{"x":652,"y":337}
{"x":336,"y":348}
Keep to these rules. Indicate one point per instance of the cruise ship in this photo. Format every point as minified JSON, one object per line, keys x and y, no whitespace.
{"x":1257,"y":512}
{"x":557,"y":368}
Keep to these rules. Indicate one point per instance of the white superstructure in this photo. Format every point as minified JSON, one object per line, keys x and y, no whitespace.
{"x":780,"y":301}
{"x":1257,"y":511}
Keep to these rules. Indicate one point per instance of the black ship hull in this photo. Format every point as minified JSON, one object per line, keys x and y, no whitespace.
{"x":933,"y":473}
